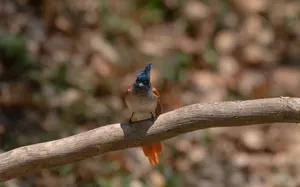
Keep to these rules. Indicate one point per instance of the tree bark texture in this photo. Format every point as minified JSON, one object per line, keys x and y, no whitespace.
{"x":112,"y":137}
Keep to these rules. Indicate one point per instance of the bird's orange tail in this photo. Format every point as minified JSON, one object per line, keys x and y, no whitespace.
{"x":152,"y":151}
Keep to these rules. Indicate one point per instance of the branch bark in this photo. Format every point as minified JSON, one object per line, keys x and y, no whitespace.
{"x":31,"y":158}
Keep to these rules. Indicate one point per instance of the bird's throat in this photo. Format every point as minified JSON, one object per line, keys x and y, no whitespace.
{"x":144,"y":90}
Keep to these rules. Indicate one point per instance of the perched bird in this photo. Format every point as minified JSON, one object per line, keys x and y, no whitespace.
{"x":143,"y":100}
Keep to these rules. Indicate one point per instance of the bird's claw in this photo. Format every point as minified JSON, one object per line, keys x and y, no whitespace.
{"x":130,"y":119}
{"x":130,"y":122}
{"x":152,"y":117}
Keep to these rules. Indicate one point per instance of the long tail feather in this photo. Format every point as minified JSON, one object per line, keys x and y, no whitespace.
{"x":152,"y":151}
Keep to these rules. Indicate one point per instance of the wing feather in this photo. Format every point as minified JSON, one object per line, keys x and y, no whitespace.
{"x":126,"y":94}
{"x":158,"y":109}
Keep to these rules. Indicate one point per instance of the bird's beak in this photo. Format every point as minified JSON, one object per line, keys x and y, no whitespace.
{"x":140,"y":84}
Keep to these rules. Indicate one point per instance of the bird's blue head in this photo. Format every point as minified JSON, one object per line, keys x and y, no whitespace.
{"x":142,"y":81}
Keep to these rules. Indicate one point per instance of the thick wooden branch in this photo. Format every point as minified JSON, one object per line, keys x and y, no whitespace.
{"x":24,"y":160}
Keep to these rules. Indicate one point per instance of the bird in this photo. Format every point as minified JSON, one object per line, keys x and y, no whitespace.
{"x":143,"y":100}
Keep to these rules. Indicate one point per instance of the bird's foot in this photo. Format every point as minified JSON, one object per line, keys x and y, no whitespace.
{"x":130,"y":120}
{"x":152,"y":117}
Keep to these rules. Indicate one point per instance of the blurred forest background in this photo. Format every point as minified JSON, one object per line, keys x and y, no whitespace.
{"x":65,"y":64}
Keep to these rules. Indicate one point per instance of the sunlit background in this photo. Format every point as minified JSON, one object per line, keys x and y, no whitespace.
{"x":65,"y":65}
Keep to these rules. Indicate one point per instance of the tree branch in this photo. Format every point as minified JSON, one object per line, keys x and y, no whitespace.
{"x":24,"y":160}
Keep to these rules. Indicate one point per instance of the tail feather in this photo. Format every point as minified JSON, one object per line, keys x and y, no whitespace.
{"x":152,"y":151}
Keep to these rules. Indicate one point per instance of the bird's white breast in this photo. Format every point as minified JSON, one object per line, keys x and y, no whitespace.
{"x":142,"y":106}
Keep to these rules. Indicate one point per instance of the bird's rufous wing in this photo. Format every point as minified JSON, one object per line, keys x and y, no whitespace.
{"x":126,"y":94}
{"x":158,"y":109}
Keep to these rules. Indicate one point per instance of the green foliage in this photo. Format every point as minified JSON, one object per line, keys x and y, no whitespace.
{"x":113,"y":166}
{"x":13,"y":47}
{"x":234,"y":94}
{"x":66,"y":169}
{"x":125,"y":180}
{"x":112,"y":23}
{"x":115,"y":25}
{"x":172,"y":178}
{"x":11,"y":144}
{"x":207,"y":139}
{"x":58,"y":78}
{"x":153,"y":4}
{"x":103,"y":182}
{"x":14,"y":54}
{"x":118,"y":179}
{"x":48,"y":136}
{"x":153,"y":10}
{"x":176,"y":65}
{"x":210,"y":56}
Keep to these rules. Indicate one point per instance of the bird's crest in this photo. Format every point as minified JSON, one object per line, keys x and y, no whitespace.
{"x":145,"y":74}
